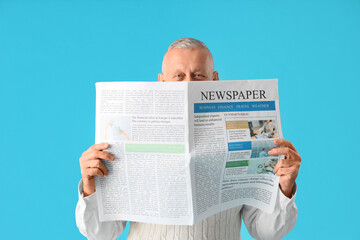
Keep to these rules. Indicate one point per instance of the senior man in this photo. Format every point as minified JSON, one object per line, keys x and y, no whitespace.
{"x":188,"y":59}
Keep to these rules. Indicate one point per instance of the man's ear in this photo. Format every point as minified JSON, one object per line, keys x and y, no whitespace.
{"x":161,"y":77}
{"x":215,"y":76}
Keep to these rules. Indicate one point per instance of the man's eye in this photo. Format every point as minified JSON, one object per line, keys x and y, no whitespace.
{"x":199,"y":75}
{"x":178,"y":75}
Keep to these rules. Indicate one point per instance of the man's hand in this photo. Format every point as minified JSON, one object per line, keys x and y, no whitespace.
{"x":91,"y":165}
{"x":287,"y":168}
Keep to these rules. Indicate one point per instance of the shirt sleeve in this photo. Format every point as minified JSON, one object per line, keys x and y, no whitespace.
{"x":88,"y":222}
{"x":262,"y":225}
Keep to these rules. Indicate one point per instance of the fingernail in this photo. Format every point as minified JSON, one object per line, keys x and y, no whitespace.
{"x":270,"y":152}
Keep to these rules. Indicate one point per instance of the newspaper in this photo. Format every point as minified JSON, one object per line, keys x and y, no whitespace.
{"x":186,"y":150}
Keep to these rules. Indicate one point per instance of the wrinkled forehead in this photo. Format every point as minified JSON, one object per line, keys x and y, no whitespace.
{"x":188,"y":59}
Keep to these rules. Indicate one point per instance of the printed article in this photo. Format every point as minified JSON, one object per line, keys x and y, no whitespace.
{"x":186,"y":150}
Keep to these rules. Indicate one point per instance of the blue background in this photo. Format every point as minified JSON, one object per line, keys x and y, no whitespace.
{"x":52,"y":53}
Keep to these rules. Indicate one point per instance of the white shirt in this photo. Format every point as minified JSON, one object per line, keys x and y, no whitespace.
{"x":223,"y":226}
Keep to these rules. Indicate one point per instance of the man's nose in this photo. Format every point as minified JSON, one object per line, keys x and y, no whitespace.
{"x":188,"y":78}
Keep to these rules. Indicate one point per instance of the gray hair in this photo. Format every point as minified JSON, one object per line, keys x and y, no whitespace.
{"x":187,"y":43}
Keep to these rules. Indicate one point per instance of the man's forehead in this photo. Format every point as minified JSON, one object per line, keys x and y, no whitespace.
{"x":180,"y":57}
{"x":182,"y":52}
